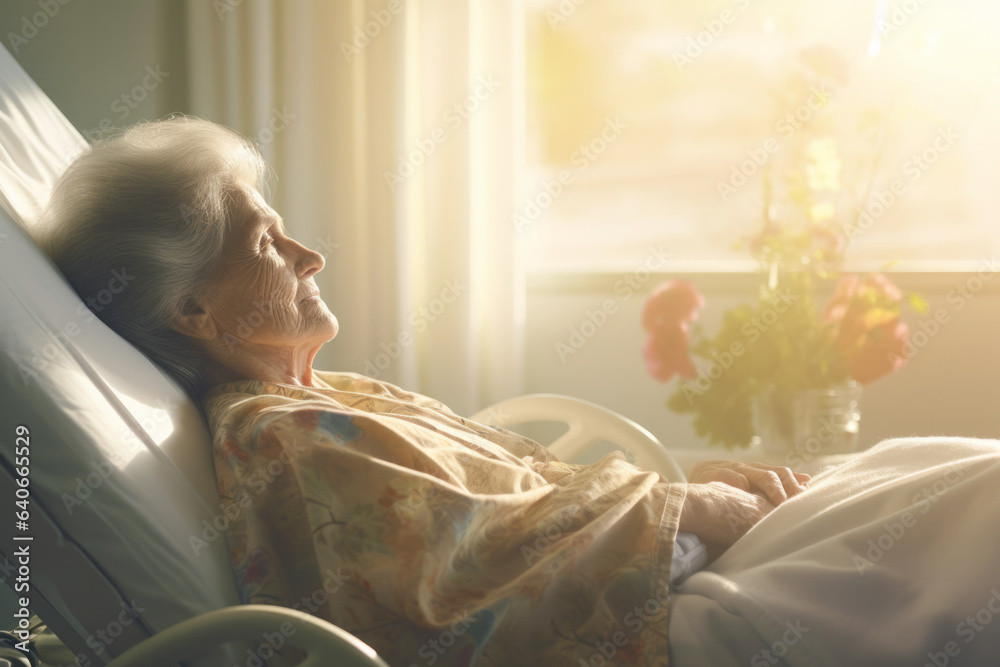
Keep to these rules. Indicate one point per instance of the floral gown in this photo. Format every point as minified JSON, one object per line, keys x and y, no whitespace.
{"x":435,"y":539}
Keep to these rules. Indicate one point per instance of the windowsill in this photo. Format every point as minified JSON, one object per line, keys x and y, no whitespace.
{"x":925,"y":277}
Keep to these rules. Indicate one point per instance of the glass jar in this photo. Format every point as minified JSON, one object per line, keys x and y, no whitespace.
{"x":809,"y":422}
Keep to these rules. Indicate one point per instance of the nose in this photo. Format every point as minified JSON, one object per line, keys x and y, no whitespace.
{"x":307,"y":261}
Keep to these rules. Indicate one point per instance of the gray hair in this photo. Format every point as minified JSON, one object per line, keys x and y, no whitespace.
{"x":153,"y":202}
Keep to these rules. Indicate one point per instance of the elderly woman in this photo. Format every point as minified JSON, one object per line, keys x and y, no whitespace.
{"x":435,"y":539}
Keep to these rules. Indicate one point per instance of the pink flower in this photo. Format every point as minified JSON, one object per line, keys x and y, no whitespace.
{"x":672,"y":304}
{"x":666,"y":315}
{"x":843,"y":295}
{"x":882,"y":351}
{"x":853,"y":298}
{"x":868,"y":330}
{"x":666,"y":353}
{"x":884,"y":287}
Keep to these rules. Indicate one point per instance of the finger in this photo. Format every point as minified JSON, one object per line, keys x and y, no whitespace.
{"x":768,"y":483}
{"x":733,"y":478}
{"x":802,"y":477}
{"x":788,"y":480}
{"x":704,"y":472}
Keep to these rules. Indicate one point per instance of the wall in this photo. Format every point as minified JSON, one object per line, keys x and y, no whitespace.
{"x":87,"y":55}
{"x":948,"y":387}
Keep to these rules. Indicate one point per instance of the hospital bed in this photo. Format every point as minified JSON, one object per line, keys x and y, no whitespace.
{"x":122,"y":545}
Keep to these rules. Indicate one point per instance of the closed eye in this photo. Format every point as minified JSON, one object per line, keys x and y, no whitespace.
{"x":266,"y":239}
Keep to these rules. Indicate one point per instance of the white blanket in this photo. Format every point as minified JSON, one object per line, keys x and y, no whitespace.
{"x":890,"y":559}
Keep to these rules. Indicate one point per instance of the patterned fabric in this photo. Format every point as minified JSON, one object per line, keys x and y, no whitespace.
{"x":435,"y":539}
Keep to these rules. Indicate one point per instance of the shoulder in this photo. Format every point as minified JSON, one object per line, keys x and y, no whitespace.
{"x":239,"y":406}
{"x":363,"y":384}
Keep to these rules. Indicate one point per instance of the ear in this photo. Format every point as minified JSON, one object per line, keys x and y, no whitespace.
{"x":194,"y":321}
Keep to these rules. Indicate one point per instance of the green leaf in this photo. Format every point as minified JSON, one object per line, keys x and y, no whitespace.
{"x":917,"y":303}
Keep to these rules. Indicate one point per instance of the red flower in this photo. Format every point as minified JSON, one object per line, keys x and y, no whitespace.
{"x":665,"y":316}
{"x":869,"y":332}
{"x":671,"y":304}
{"x":882,"y":351}
{"x":666,"y":354}
{"x":854,"y":299}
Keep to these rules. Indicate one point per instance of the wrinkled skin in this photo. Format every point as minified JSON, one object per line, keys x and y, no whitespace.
{"x":725,"y":499}
{"x":256,"y":320}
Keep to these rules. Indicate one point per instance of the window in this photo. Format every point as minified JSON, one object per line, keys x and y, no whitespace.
{"x":641,"y":112}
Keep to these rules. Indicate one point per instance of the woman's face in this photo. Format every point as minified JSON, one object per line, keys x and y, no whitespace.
{"x":263,"y":295}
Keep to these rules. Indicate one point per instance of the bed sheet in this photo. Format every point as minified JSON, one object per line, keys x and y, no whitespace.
{"x":892,"y":558}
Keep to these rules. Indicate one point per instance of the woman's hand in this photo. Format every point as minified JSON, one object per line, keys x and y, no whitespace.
{"x":719,"y":514}
{"x":776,"y":483}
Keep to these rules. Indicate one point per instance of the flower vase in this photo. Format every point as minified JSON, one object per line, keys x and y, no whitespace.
{"x":809,"y":422}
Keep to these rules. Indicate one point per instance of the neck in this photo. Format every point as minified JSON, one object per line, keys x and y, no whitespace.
{"x":253,"y":362}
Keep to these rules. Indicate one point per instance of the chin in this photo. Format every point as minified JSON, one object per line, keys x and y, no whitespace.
{"x":333,"y":327}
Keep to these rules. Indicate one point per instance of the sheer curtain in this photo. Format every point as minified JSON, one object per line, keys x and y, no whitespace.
{"x":395,"y":129}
